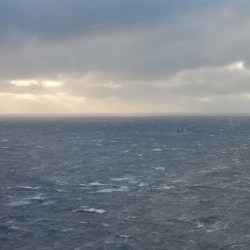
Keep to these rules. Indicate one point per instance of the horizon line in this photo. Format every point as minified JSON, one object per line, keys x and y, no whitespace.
{"x":144,"y":114}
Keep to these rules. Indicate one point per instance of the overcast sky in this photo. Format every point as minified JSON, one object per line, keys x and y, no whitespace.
{"x":119,"y":56}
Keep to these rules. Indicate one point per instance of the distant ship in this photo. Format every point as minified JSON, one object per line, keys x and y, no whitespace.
{"x":180,"y":130}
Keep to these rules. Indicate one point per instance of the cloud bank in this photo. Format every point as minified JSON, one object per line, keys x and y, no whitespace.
{"x":115,"y":56}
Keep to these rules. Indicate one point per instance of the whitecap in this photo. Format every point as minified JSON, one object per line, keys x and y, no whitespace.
{"x":185,"y":218}
{"x":47,"y":203}
{"x":166,"y":187}
{"x":35,"y":197}
{"x":60,"y":190}
{"x":179,"y":180}
{"x":105,"y":224}
{"x":125,"y":151}
{"x":159,"y":168}
{"x":83,"y":222}
{"x":123,"y":236}
{"x":236,"y":161}
{"x":217,"y":227}
{"x":28,"y":187}
{"x":90,"y":210}
{"x":219,"y":168}
{"x":121,"y":179}
{"x":14,"y":227}
{"x":19,"y":203}
{"x":95,"y":184}
{"x":234,"y":149}
{"x":110,"y":190}
{"x":157,"y":149}
{"x":143,"y":184}
{"x":140,"y":155}
{"x":199,"y":225}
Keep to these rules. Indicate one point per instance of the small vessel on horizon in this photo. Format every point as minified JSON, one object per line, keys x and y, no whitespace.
{"x":181,"y":130}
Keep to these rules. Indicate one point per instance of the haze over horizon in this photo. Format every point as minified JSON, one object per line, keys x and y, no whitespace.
{"x":124,"y":56}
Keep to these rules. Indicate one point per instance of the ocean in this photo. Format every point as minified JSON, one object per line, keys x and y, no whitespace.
{"x":125,"y":183}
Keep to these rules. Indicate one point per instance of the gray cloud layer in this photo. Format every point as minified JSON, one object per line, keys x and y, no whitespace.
{"x":151,"y":51}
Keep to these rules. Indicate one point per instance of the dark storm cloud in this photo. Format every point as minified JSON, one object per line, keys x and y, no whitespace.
{"x":57,"y":18}
{"x":163,"y":36}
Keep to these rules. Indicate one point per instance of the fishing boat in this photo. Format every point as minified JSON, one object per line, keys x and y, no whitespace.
{"x":180,"y":130}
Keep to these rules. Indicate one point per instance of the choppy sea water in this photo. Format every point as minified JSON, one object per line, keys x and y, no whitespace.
{"x":125,"y":183}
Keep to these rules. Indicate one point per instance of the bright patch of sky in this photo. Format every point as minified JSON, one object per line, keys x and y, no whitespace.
{"x":240,"y":66}
{"x":33,"y":82}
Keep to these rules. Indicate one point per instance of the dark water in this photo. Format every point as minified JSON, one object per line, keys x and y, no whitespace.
{"x":125,"y":183}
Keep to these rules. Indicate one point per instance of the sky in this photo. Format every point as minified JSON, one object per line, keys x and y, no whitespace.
{"x":124,"y":56}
